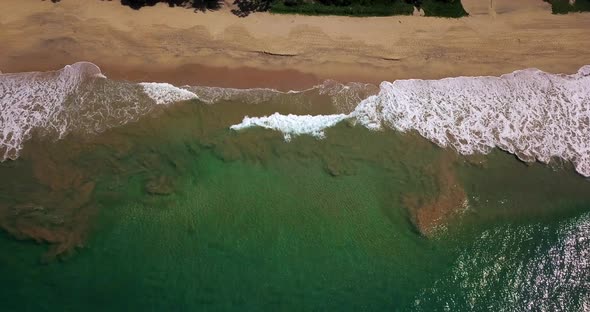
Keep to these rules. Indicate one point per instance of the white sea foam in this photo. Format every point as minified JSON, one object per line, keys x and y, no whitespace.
{"x":212,"y":95}
{"x":292,"y":125}
{"x":344,"y":97}
{"x":75,"y":98}
{"x":530,"y":113}
{"x":165,"y":93}
{"x":33,"y":100}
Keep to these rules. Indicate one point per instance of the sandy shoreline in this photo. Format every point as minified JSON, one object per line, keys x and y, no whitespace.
{"x":288,"y":52}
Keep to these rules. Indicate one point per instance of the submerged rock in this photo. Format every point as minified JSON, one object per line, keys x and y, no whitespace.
{"x":64,"y":227}
{"x":161,"y":185}
{"x":430,"y":215}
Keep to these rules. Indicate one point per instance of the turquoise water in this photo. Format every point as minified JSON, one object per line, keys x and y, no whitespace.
{"x":175,"y":212}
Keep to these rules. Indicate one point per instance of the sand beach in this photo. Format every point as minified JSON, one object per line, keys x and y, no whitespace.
{"x":217,"y":48}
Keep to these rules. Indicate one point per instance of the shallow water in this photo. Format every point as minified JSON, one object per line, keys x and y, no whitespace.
{"x":159,"y":205}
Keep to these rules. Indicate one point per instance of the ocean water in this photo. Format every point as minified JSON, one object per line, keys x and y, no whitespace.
{"x":463,"y":194}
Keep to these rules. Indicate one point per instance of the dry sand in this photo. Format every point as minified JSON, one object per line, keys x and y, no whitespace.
{"x":287,"y":51}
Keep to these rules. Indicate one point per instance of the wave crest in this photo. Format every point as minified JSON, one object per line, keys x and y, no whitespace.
{"x":77,"y":97}
{"x":530,"y":113}
{"x":293,"y":125}
{"x":33,"y":100}
{"x":165,"y":93}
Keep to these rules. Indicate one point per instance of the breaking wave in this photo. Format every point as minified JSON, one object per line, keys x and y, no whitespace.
{"x":291,"y":125}
{"x":165,"y":93}
{"x":80,"y":98}
{"x":530,"y":113}
{"x":34,"y":100}
{"x":75,"y":98}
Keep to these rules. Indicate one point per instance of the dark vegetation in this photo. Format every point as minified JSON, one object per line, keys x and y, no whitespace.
{"x":201,"y":5}
{"x":442,"y":8}
{"x":563,"y":6}
{"x":343,"y":7}
{"x":245,"y":7}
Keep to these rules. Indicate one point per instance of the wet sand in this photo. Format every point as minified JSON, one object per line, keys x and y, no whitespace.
{"x":287,"y":51}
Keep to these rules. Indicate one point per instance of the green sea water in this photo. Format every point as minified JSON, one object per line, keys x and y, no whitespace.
{"x":187,"y":215}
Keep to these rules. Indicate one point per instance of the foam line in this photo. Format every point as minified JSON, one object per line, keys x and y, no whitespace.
{"x":530,"y":113}
{"x":34,"y":100}
{"x":292,"y":125}
{"x":165,"y":93}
